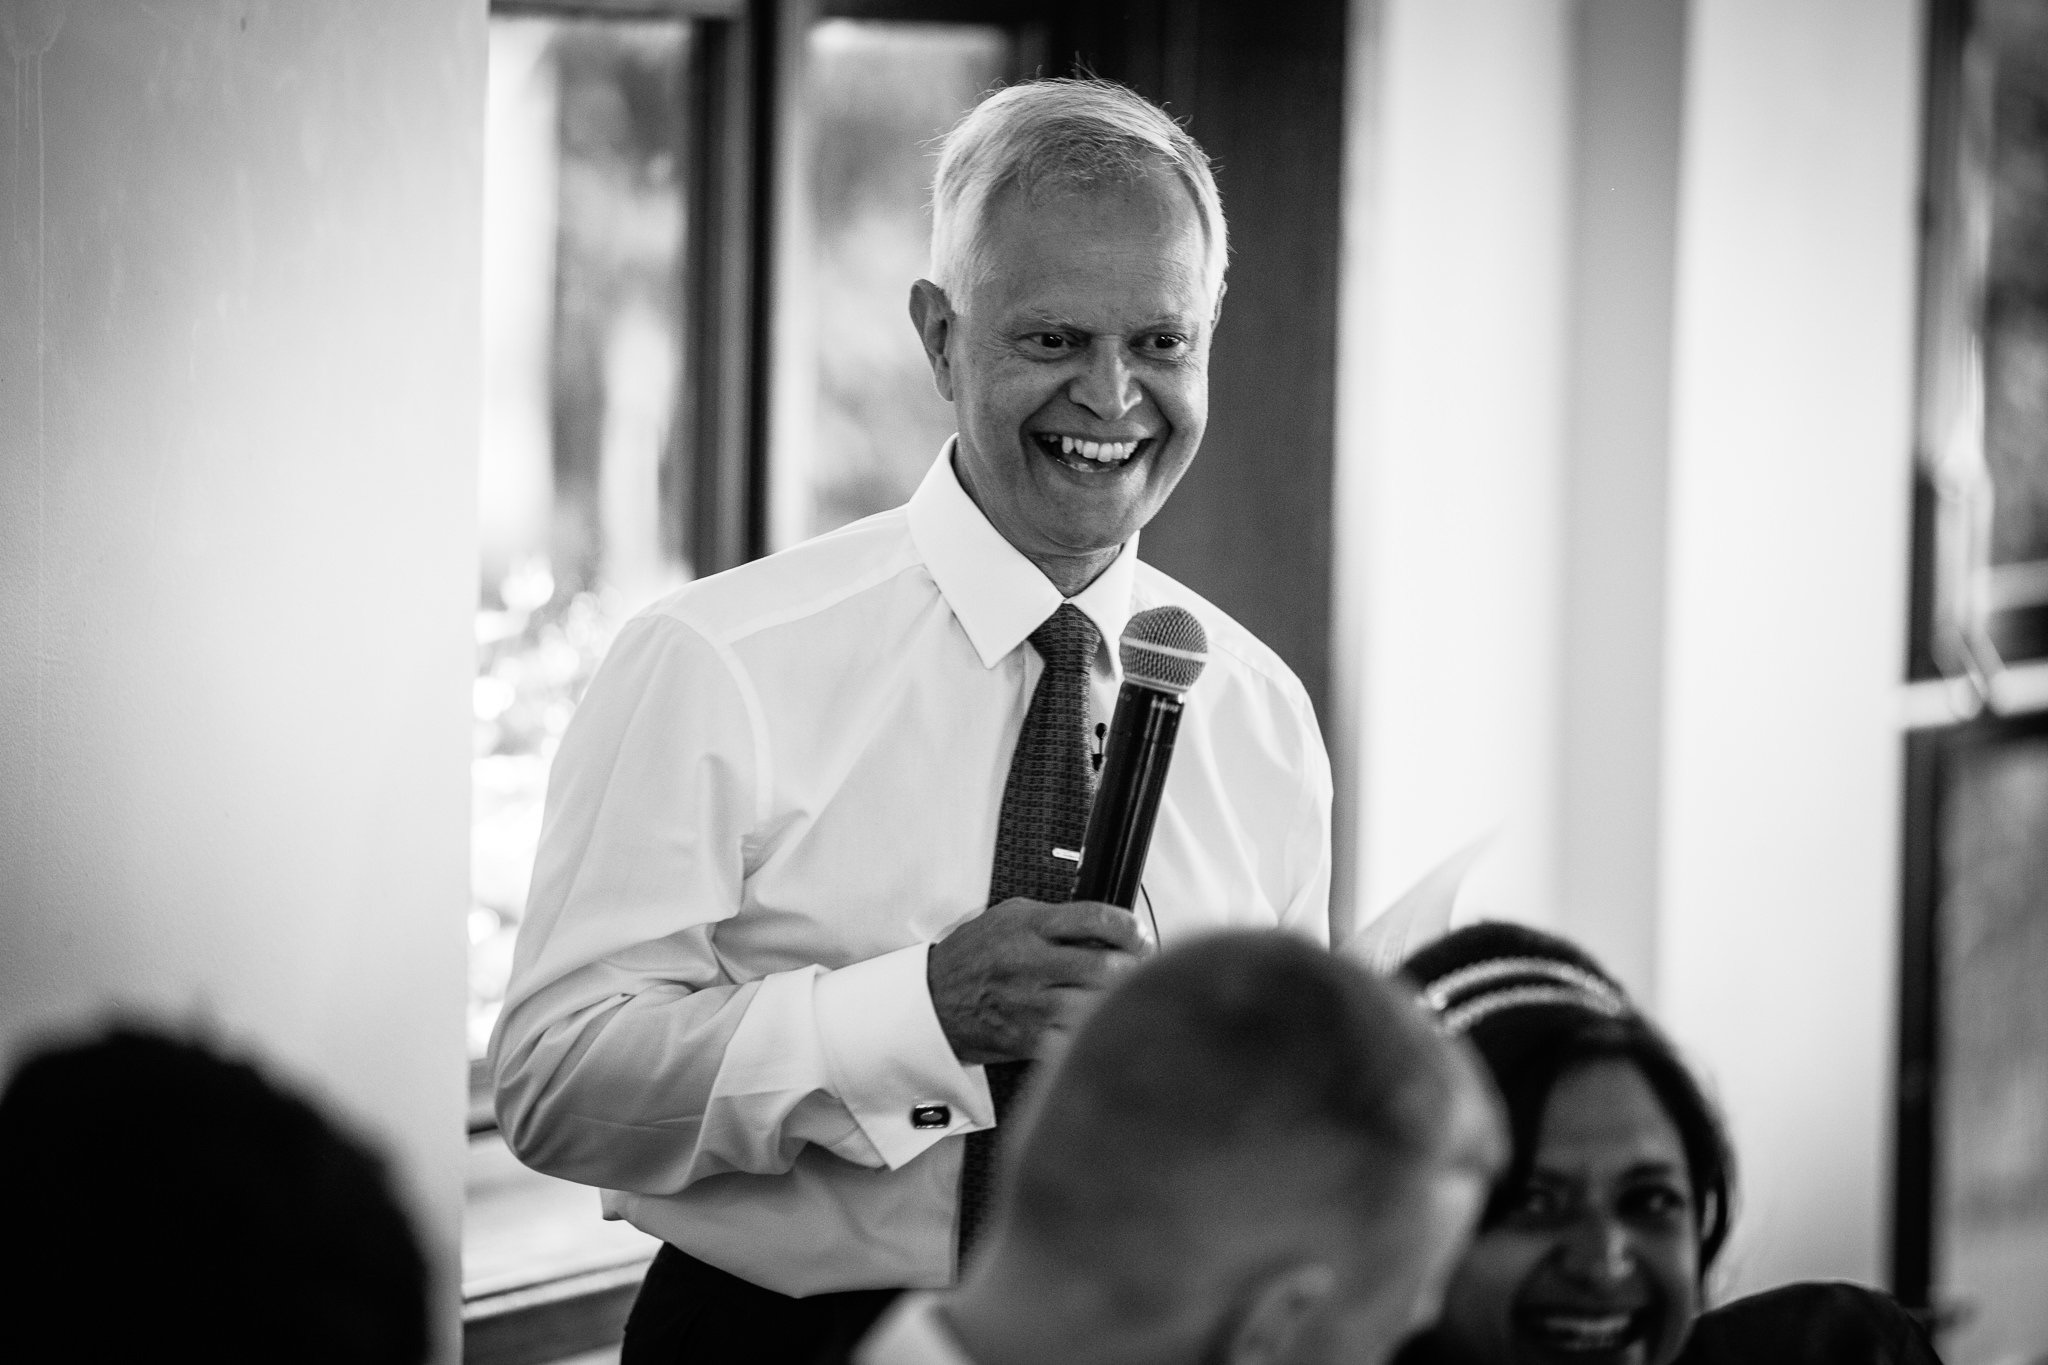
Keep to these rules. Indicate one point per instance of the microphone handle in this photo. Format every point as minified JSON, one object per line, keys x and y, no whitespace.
{"x":1141,"y":735}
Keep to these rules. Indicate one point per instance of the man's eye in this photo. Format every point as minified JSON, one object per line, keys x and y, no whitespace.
{"x":1165,"y":342}
{"x":1050,"y":341}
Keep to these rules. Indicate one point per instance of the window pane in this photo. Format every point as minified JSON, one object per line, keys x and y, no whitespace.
{"x":1991,"y":1239}
{"x":875,"y":95}
{"x":581,"y":489}
{"x":2016,"y":319}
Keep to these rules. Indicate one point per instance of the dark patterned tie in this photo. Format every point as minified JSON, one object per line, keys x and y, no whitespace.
{"x":1045,"y":806}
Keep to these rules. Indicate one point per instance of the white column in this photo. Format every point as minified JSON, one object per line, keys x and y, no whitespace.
{"x":1789,"y":499}
{"x":239,"y":355}
{"x":1449,"y":446}
{"x":1629,"y":85}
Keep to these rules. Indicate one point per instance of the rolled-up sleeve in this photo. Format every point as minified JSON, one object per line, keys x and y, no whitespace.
{"x":627,"y":1056}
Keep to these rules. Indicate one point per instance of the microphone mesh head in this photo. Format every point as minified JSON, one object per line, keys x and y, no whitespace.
{"x":1165,"y":648}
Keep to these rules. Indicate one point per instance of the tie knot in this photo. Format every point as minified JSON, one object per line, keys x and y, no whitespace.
{"x":1066,"y":640}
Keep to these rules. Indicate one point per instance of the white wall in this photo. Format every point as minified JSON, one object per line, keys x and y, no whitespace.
{"x":1449,"y":439}
{"x":1790,"y":486}
{"x":1623,"y":481}
{"x":1628,"y":96}
{"x":238,"y":407}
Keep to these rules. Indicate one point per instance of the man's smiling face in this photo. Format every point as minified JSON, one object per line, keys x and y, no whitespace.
{"x":1079,"y":366}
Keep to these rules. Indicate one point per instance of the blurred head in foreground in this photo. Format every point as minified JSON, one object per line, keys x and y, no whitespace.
{"x":176,"y":1205}
{"x":1253,"y":1151}
{"x":1616,"y":1200}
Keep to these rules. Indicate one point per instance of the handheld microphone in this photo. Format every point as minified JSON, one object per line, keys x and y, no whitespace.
{"x":1163,"y":651}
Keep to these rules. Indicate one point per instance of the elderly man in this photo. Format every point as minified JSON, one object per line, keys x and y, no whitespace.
{"x":1254,"y":1152}
{"x":802,"y":907}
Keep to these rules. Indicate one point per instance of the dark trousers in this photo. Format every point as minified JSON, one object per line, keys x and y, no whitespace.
{"x":690,"y":1313}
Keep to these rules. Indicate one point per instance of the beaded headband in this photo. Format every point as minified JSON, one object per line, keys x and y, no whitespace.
{"x":1503,"y":983}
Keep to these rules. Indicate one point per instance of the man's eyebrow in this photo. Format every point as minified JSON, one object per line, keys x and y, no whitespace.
{"x":1046,"y":323}
{"x":1049,"y":322}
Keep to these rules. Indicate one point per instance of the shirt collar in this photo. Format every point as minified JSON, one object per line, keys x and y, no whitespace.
{"x":999,"y":596}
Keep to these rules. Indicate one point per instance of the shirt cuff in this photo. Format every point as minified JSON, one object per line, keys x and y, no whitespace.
{"x":889,"y":1060}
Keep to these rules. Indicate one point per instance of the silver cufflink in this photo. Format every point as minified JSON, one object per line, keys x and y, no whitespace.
{"x":931,"y":1116}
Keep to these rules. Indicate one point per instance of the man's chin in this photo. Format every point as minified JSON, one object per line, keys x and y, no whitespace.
{"x":1088,"y":527}
{"x":1092,"y":539}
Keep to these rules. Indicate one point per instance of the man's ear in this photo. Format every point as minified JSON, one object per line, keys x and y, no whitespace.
{"x":1281,"y":1307}
{"x":932,"y":314}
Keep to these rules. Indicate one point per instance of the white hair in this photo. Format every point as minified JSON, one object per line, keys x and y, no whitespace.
{"x":1058,"y":136}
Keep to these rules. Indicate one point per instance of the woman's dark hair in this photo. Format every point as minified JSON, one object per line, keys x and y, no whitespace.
{"x":1540,"y":1023}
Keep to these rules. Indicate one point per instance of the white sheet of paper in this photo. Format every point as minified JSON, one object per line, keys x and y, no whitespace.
{"x":1420,"y":915}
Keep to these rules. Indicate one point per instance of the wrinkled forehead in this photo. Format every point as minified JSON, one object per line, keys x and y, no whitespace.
{"x":1153,"y":192}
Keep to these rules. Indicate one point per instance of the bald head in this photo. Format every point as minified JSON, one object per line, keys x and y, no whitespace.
{"x":1238,"y":1106}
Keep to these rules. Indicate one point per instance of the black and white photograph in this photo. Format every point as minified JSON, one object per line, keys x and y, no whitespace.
{"x":1024,"y":682}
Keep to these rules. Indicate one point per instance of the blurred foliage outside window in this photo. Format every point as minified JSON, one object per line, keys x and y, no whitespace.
{"x":2016,"y":303}
{"x":583,"y":486}
{"x":1992,"y":1189}
{"x":1991,"y":1247}
{"x":580,"y":487}
{"x":876,"y":95}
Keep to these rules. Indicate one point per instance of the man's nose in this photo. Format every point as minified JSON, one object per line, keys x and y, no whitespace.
{"x":1106,"y":387}
{"x":1599,"y":1252}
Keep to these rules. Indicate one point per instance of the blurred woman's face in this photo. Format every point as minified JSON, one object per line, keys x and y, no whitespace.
{"x":1595,"y":1260}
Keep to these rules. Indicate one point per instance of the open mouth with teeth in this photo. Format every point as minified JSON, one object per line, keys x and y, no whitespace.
{"x":1590,"y":1336}
{"x":1090,"y":457}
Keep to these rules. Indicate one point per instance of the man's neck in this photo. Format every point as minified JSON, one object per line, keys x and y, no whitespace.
{"x":1069,"y":572}
{"x":1072,"y":573}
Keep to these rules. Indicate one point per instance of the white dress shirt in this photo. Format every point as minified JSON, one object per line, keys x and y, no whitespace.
{"x":911,"y":1333}
{"x":781,"y":787}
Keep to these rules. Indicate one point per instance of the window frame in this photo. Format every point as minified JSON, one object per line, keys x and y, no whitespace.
{"x":1966,"y":621}
{"x":722,"y":400}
